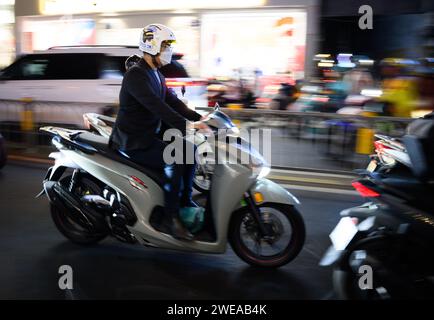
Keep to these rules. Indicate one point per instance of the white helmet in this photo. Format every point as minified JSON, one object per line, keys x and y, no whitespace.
{"x":152,"y":36}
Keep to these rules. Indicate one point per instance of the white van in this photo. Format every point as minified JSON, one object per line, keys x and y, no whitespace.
{"x":84,"y":75}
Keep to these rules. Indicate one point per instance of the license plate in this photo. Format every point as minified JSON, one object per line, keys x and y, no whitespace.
{"x":343,"y":233}
{"x":372,"y":166}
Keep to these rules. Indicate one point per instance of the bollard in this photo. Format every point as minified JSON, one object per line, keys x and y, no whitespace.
{"x":27,"y":124}
{"x":26,"y":119}
{"x":365,"y":141}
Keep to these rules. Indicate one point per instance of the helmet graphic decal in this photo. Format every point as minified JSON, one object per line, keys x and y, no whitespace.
{"x":152,"y":36}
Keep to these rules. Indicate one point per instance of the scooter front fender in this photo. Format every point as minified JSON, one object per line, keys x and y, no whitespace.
{"x":272,"y":192}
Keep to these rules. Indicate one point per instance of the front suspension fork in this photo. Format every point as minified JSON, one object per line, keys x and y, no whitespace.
{"x":256,"y":213}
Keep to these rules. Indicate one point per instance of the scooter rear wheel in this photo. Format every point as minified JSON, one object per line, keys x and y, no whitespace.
{"x":66,"y":225}
{"x":285,"y":225}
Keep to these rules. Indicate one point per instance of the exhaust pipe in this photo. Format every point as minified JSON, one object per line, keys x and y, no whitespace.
{"x":98,"y":200}
{"x":84,"y":216}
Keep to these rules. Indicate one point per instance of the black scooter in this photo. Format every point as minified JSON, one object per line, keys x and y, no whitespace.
{"x":384,"y":248}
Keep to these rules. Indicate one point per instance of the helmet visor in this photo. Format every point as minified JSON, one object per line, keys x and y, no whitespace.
{"x":166,"y":44}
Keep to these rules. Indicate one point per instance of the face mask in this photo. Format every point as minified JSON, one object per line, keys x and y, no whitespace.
{"x":166,"y":56}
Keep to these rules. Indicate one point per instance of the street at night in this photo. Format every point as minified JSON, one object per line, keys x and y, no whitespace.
{"x":33,"y":250}
{"x":236,"y":157}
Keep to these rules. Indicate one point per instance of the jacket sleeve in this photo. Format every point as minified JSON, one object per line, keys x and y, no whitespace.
{"x":180,"y":107}
{"x":139,"y":87}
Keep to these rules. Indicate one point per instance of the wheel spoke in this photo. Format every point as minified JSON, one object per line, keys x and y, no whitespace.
{"x":245,"y":234}
{"x":258,"y":248}
{"x":272,"y":245}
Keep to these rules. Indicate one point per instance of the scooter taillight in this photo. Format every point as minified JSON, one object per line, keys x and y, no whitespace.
{"x":355,"y":221}
{"x":379,"y":146}
{"x":364,"y":190}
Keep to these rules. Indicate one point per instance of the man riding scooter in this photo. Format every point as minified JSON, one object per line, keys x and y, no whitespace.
{"x":146,"y":102}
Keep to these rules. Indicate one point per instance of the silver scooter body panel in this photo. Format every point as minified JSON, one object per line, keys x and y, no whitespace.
{"x":116,"y":175}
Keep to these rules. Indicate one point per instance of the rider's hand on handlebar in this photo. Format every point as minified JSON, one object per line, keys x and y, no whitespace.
{"x":205,"y":117}
{"x":202,"y":127}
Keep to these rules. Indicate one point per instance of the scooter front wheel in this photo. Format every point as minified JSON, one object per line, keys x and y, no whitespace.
{"x":284,"y":240}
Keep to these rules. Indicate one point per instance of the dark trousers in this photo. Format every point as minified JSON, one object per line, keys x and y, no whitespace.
{"x":179,"y":186}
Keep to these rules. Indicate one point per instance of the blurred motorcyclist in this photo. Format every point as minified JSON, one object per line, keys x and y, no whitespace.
{"x":284,"y":97}
{"x":359,"y":77}
{"x":145,"y":102}
{"x":399,"y":89}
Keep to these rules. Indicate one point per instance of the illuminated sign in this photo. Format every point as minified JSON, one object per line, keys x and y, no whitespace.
{"x":52,"y":7}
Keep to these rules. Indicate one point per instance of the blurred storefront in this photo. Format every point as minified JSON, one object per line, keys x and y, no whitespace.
{"x":217,"y":38}
{"x":7,"y":39}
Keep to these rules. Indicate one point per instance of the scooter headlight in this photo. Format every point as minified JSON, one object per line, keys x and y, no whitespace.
{"x":233,"y":131}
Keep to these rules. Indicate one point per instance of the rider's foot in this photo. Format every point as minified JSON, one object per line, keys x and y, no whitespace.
{"x":193,"y":218}
{"x":179,"y":231}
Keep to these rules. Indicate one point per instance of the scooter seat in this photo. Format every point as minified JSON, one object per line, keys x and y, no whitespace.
{"x":101,"y":144}
{"x":98,"y":142}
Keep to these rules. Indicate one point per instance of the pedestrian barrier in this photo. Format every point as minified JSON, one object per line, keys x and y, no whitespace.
{"x":299,"y":139}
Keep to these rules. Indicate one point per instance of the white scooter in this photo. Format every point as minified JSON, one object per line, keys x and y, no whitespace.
{"x":95,"y":191}
{"x":103,"y":125}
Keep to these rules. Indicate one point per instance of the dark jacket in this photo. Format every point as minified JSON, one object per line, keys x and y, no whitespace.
{"x":143,"y":106}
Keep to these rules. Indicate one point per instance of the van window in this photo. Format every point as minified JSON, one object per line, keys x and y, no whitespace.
{"x":26,"y":69}
{"x":59,"y":66}
{"x":74,"y":66}
{"x":113,"y":67}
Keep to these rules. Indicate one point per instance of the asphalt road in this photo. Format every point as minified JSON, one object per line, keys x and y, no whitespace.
{"x":32,"y":250}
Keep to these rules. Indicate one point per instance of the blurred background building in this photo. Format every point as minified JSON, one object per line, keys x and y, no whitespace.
{"x":216,"y":37}
{"x":401,"y":28}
